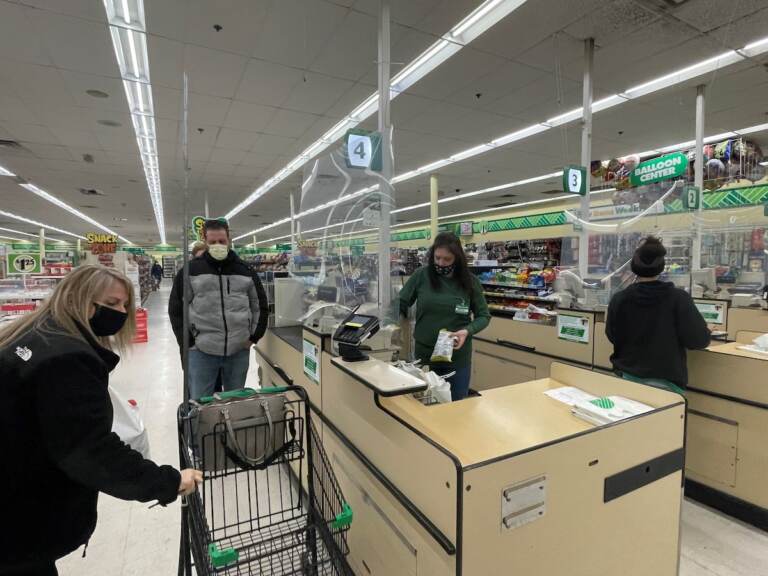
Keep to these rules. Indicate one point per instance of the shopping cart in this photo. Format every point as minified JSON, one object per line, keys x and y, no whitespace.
{"x":281,"y":514}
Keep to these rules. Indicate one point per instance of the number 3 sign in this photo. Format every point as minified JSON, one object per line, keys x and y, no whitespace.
{"x":575,"y":180}
{"x":363,"y":149}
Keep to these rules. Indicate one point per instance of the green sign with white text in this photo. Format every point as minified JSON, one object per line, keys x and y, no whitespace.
{"x":691,"y":198}
{"x":658,"y":169}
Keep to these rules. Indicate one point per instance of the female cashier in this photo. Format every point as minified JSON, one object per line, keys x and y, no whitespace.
{"x":447,"y":296}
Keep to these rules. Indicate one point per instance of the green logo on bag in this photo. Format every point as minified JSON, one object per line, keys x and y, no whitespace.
{"x":606,"y":403}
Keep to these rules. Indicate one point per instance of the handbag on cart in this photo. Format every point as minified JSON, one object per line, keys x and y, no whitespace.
{"x":244,"y":428}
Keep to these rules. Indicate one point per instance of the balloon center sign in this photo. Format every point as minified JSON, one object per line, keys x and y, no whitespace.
{"x":658,"y":169}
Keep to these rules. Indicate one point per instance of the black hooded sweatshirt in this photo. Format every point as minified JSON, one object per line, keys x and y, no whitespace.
{"x":651,"y":325}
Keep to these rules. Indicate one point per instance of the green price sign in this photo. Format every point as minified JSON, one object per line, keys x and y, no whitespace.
{"x":658,"y":169}
{"x":691,"y":198}
{"x":575,"y":180}
{"x":23,"y":263}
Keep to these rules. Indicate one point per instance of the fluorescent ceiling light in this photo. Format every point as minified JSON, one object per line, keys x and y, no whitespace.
{"x":13,"y":231}
{"x":764,"y":163}
{"x":127,"y":27}
{"x":63,"y":205}
{"x":39,"y":224}
{"x":6,"y":172}
{"x":477,"y":22}
{"x":13,"y":239}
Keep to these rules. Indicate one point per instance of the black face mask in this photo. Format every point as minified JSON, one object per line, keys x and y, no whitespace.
{"x":444,"y":270}
{"x":107,"y":321}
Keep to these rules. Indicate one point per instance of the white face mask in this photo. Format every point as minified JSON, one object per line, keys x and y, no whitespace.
{"x":218,"y":251}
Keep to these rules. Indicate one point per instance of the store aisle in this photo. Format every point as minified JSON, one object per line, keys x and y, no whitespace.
{"x":133,"y":540}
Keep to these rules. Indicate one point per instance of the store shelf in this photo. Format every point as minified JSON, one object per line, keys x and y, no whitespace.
{"x":513,"y":285}
{"x":550,"y":299}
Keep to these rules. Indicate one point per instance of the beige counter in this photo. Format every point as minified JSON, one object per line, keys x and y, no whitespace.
{"x":427,"y":483}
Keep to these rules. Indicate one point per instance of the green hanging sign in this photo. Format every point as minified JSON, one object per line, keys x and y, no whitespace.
{"x":658,"y":169}
{"x":575,"y":180}
{"x":691,"y":198}
{"x":23,"y":262}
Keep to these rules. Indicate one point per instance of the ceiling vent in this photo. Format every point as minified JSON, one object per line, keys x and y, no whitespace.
{"x":501,"y":204}
{"x":552,"y":192}
{"x":89,"y":206}
{"x":88,"y":158}
{"x":91,"y":192}
{"x":508,"y":196}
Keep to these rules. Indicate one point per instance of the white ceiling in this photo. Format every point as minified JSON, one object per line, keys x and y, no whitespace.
{"x":281,"y":72}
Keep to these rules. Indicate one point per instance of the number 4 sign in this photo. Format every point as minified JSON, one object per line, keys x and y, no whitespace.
{"x":575,"y":180}
{"x":363,"y":149}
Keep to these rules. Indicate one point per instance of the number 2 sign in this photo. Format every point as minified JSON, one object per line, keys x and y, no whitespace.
{"x":363,"y":149}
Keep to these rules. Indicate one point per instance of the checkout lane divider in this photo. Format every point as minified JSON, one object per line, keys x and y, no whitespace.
{"x":444,"y":542}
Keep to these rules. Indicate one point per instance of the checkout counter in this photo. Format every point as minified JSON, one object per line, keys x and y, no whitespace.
{"x":509,"y":480}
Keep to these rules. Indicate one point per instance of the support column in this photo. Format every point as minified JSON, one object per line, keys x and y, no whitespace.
{"x":433,"y":209}
{"x":42,"y":246}
{"x":207,"y":211}
{"x":78,"y":252}
{"x":586,"y":153}
{"x":699,"y":174}
{"x":254,"y":241}
{"x":293,"y":224}
{"x":385,"y":187}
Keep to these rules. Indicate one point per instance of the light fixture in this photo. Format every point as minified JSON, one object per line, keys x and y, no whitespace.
{"x":764,"y":163}
{"x":478,"y":21}
{"x":63,"y":205}
{"x":39,"y":224}
{"x":12,"y":238}
{"x":127,"y":28}
{"x":6,"y":172}
{"x":12,"y":231}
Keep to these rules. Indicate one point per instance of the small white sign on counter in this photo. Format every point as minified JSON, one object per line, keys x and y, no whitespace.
{"x":712,"y":313}
{"x":569,"y":395}
{"x":311,"y":361}
{"x":573,"y":328}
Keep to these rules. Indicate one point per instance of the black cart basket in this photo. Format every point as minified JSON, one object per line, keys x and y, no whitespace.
{"x":269,"y":502}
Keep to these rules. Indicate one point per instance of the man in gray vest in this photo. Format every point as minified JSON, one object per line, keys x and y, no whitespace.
{"x":228,"y":312}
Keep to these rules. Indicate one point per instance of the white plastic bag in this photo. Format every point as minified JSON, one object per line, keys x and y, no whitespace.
{"x":127,"y":423}
{"x":438,"y":387}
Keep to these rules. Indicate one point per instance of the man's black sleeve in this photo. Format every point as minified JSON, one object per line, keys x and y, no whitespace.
{"x":176,"y":307}
{"x":691,"y":326}
{"x":75,"y":420}
{"x":610,"y":320}
{"x":259,"y":307}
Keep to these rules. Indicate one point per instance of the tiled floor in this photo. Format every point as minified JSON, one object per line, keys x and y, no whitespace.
{"x":133,"y":540}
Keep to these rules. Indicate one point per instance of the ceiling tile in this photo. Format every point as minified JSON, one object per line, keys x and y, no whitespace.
{"x":271,"y":144}
{"x":18,"y":36}
{"x":352,"y":50}
{"x":290,"y":123}
{"x":295,"y":31}
{"x":709,"y":14}
{"x":33,"y":133}
{"x":227,"y":156}
{"x":213,"y":72}
{"x":267,"y":83}
{"x":236,"y":19}
{"x":249,"y":116}
{"x":316,"y":93}
{"x":166,"y":61}
{"x":236,"y":139}
{"x":259,"y":159}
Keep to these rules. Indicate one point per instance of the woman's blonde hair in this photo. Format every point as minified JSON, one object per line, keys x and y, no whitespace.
{"x":70,"y":306}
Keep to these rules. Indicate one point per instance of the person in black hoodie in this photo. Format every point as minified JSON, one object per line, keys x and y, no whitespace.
{"x":652,"y":323}
{"x":58,"y":448}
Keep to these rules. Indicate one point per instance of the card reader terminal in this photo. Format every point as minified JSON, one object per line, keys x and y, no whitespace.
{"x":351,"y":332}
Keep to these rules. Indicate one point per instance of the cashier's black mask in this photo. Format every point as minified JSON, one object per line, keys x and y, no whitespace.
{"x":444,"y":270}
{"x":107,"y":321}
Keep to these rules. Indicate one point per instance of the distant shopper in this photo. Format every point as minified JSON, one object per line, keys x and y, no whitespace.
{"x":447,"y":296}
{"x":652,"y":323}
{"x":228,"y":312}
{"x":157,"y":274}
{"x":58,"y":448}
{"x":198,"y":249}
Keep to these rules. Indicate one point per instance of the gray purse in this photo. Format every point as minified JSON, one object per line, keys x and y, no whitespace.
{"x":241,"y":428}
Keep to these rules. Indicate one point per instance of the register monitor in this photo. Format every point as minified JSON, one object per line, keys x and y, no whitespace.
{"x":703,"y":282}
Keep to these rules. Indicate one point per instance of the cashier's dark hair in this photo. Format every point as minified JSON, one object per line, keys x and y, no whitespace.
{"x":461,"y":273}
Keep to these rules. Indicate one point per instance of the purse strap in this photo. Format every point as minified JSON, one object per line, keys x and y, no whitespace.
{"x":238,"y":456}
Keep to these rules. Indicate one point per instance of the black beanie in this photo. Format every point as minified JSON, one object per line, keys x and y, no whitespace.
{"x":648,"y":260}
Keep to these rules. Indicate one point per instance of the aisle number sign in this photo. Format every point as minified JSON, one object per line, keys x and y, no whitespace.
{"x":23,"y":263}
{"x":362,"y":149}
{"x":311,"y":361}
{"x":575,"y":180}
{"x":573,"y":328}
{"x":712,"y":313}
{"x":691,"y":198}
{"x":658,"y":169}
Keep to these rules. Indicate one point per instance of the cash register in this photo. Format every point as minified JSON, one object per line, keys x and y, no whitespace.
{"x":350,"y":334}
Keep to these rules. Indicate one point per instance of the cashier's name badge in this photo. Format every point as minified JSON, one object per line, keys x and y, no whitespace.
{"x":462,"y":309}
